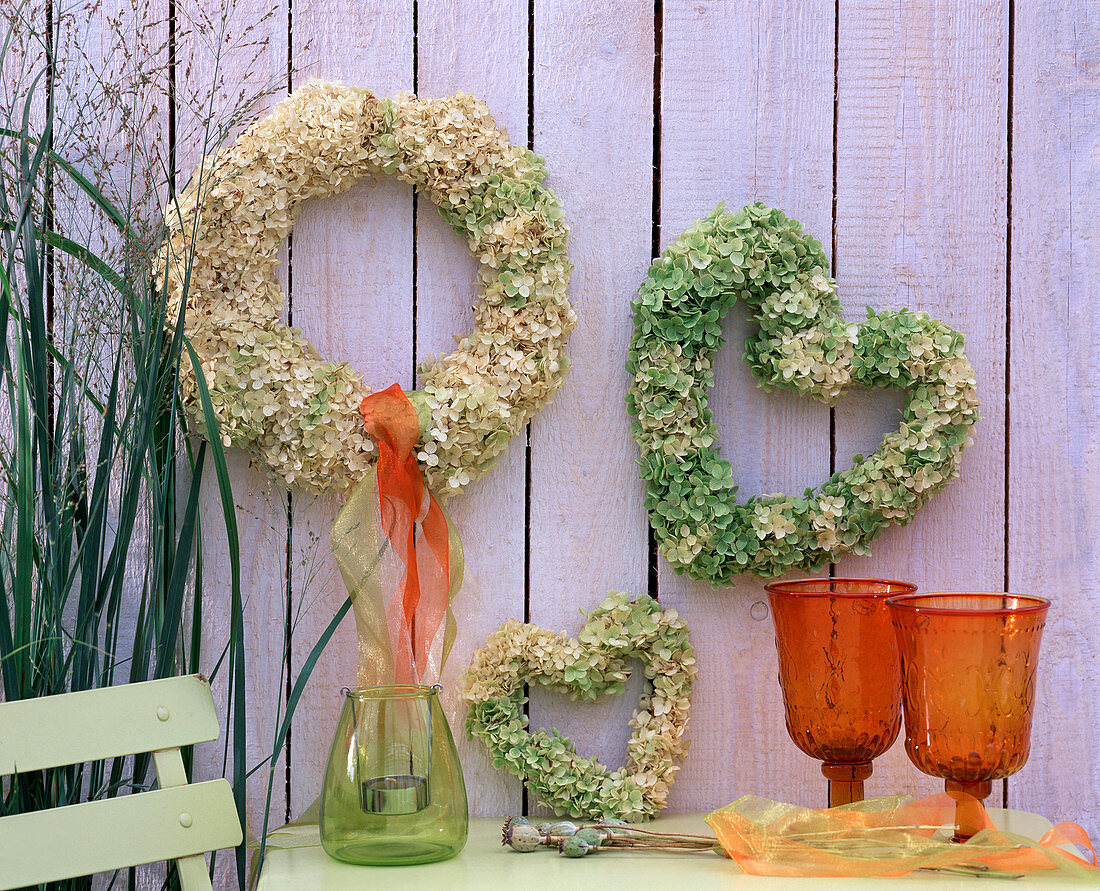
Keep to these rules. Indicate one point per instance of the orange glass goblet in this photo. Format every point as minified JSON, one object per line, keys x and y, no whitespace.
{"x":968,"y":665}
{"x":838,"y":667}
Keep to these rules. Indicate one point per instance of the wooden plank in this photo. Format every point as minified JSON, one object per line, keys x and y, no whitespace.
{"x":752,"y":122}
{"x":24,"y":61}
{"x":53,"y":731}
{"x":352,"y":297}
{"x":921,"y":161}
{"x":227,"y":54}
{"x":593,"y":104}
{"x":25,"y":57}
{"x":111,"y":122}
{"x":454,"y":40}
{"x":1054,"y":471}
{"x":922,"y":99}
{"x":261,"y":525}
{"x":118,"y":832}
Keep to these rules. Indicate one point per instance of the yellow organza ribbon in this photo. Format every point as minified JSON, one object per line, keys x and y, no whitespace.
{"x":884,"y":837}
{"x":372,"y":572}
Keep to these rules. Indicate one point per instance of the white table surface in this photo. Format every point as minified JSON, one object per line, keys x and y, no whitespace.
{"x":485,"y":865}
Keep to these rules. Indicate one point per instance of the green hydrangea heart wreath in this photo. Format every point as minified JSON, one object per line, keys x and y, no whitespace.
{"x":765,"y":259}
{"x":593,"y":665}
{"x":271,"y":392}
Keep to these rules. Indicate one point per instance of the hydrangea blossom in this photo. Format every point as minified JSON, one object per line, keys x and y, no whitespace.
{"x":763,"y":258}
{"x":588,"y":667}
{"x":271,"y":392}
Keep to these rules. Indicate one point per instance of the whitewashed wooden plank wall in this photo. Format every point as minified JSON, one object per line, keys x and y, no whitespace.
{"x":949,"y":152}
{"x":921,"y":134}
{"x":1053,"y":368}
{"x":733,"y":131}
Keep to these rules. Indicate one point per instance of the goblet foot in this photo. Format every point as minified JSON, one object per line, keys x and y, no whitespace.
{"x":968,"y":809}
{"x":846,"y":781}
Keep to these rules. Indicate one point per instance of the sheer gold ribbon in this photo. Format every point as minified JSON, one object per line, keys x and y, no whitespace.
{"x":372,"y":572}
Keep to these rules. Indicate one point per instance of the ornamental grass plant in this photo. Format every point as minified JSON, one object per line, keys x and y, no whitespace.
{"x":101,"y":548}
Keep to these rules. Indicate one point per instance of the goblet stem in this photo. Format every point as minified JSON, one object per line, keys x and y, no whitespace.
{"x":968,"y":808}
{"x":846,"y":781}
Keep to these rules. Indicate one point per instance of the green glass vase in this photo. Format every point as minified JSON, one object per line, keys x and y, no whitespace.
{"x":393,"y":792}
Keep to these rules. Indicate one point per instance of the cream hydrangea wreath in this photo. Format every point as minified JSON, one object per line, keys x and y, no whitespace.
{"x":271,"y":392}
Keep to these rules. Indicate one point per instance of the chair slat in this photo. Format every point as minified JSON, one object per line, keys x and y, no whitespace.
{"x":53,"y":731}
{"x":169,"y":767}
{"x":193,"y":873}
{"x":82,"y":839}
{"x":192,"y":870}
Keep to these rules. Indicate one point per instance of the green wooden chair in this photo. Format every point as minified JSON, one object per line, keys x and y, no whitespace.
{"x":177,"y":820}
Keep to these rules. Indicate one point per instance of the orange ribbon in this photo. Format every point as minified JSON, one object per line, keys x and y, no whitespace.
{"x":420,"y":605}
{"x":883,"y":837}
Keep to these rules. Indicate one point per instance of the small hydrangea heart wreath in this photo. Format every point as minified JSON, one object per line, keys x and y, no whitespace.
{"x":271,"y":393}
{"x":592,"y":665}
{"x":765,"y":259}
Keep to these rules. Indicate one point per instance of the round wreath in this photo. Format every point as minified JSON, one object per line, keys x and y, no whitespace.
{"x":592,"y":665}
{"x":271,"y":392}
{"x":765,"y":259}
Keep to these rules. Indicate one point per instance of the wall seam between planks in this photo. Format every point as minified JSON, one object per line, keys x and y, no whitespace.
{"x":1008,"y":312}
{"x":833,"y":241}
{"x":416,"y":197}
{"x":172,"y":98}
{"x":289,"y":565}
{"x":653,"y":578}
{"x":525,"y":805}
{"x":833,"y":247}
{"x":48,"y":218}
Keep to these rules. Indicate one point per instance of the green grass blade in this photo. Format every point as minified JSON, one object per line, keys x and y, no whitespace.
{"x":176,"y":592}
{"x":236,"y":685}
{"x":24,"y":486}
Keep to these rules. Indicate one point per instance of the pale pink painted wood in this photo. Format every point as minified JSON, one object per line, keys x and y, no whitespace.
{"x":733,"y":131}
{"x":224,"y":57}
{"x":593,"y":122}
{"x":1054,"y":486}
{"x":922,"y":135}
{"x":114,"y":129}
{"x":25,"y":57}
{"x":921,"y":160}
{"x":261,"y":527}
{"x":352,"y":262}
{"x":454,"y":40}
{"x":747,"y":113}
{"x":25,"y":60}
